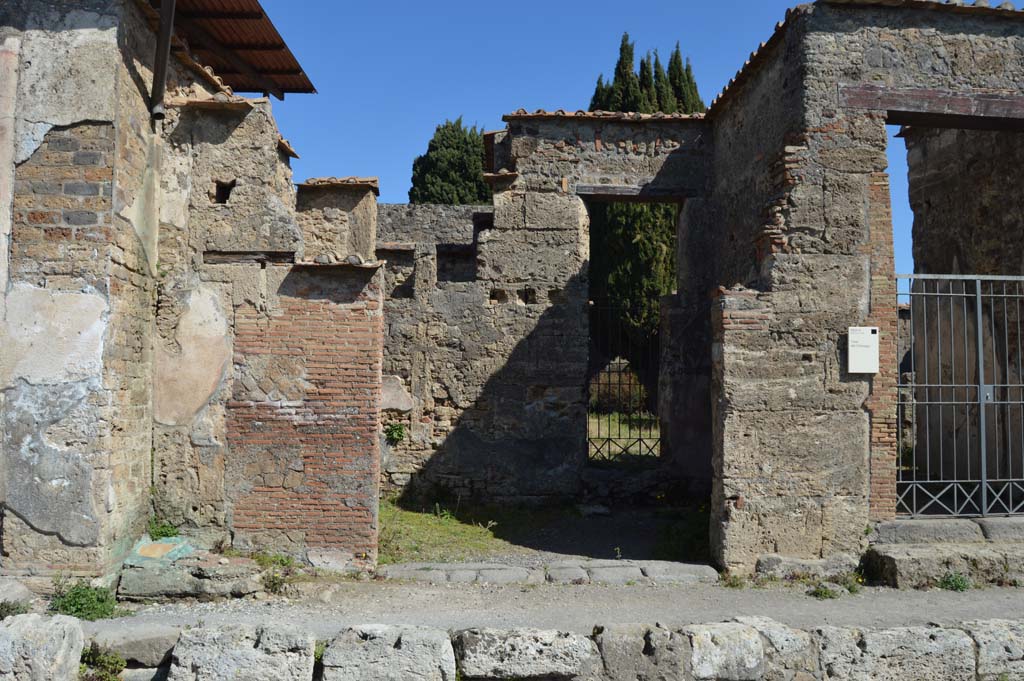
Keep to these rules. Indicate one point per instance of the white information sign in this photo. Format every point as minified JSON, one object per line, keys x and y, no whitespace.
{"x":863,"y":350}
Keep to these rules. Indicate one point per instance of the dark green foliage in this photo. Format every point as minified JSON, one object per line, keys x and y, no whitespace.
{"x":451,"y":172}
{"x":12,"y":608}
{"x":100,"y":664}
{"x":650,"y":89}
{"x":633,"y":245}
{"x":82,"y":601}
{"x":394,"y":433}
{"x":160,"y":529}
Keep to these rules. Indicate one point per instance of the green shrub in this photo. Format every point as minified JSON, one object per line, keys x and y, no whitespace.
{"x":160,"y":529}
{"x":12,"y":608}
{"x":318,"y":652}
{"x":954,"y":581}
{"x":394,"y":433}
{"x":82,"y":601}
{"x":823,"y":593}
{"x":279,"y":569}
{"x":100,"y":664}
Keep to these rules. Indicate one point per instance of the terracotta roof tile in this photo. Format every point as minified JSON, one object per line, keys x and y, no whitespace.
{"x":523,"y":114}
{"x":368,"y":182}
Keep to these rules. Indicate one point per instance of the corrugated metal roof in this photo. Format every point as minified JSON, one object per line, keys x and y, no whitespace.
{"x":239,"y":42}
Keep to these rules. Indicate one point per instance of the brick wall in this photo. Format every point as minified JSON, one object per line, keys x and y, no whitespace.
{"x":306,"y":441}
{"x":62,"y":220}
{"x":881,"y":404}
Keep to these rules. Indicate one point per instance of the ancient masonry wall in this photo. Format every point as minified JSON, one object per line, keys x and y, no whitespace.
{"x":307,"y":448}
{"x":439,"y":318}
{"x":780,"y":395}
{"x":74,"y":402}
{"x":967,"y":217}
{"x":127,"y":266}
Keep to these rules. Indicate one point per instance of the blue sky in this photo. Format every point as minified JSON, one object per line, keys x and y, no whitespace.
{"x":389,"y":71}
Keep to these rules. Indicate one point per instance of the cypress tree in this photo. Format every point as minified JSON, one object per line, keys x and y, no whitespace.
{"x":649,"y":96}
{"x":451,"y":172}
{"x":633,"y":245}
{"x":666,"y":100}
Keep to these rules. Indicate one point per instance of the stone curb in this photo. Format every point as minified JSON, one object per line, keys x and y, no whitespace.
{"x":747,"y":648}
{"x":620,"y":572}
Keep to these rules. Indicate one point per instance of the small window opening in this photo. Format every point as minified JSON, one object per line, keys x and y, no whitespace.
{"x":527,"y":296}
{"x":499,"y":296}
{"x":456,"y":262}
{"x":222,"y":190}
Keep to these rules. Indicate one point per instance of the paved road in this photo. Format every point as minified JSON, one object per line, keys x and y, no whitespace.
{"x":579,"y":607}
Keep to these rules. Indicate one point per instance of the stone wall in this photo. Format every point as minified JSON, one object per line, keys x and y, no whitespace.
{"x":967,"y":219}
{"x":437,"y":329}
{"x":747,"y":648}
{"x":133,"y":246}
{"x":75,"y":304}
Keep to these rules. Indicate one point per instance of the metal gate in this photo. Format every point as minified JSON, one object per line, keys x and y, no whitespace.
{"x":960,"y":429}
{"x":622,"y":414}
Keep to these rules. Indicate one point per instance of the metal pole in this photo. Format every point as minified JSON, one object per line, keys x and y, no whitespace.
{"x":979,"y":339}
{"x":163,"y":55}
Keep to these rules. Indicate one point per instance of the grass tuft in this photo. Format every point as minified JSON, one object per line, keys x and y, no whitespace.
{"x":954,"y":581}
{"x":83,"y":601}
{"x":823,"y":593}
{"x":100,"y":664}
{"x":12,"y":608}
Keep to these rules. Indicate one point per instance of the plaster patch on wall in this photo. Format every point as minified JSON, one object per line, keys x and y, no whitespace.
{"x":66,"y":61}
{"x":144,"y":213}
{"x":9,"y":55}
{"x":49,"y":337}
{"x":186,"y":380}
{"x":49,"y":485}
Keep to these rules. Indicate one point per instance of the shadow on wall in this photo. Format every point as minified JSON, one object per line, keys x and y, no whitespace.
{"x":523,"y":439}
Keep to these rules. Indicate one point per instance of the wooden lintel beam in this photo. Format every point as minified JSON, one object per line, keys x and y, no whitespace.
{"x":226,"y":16}
{"x":197,"y":33}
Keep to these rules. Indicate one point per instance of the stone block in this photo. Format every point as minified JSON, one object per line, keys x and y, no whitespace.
{"x":666,"y":572}
{"x":787,"y":567}
{"x":182,"y":579}
{"x":636,"y":651}
{"x":148,"y":644}
{"x":896,"y":654}
{"x":13,"y":591}
{"x":37,"y":648}
{"x":1000,"y":645}
{"x":1002,"y":529}
{"x":789,"y":654}
{"x":930,"y":531}
{"x":914,"y":566}
{"x":725,"y":652}
{"x":524,"y":654}
{"x":567,"y":574}
{"x":371,"y":653}
{"x":625,"y":574}
{"x":269,"y":653}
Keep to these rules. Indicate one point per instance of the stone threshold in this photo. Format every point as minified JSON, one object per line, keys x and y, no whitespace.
{"x":618,"y":572}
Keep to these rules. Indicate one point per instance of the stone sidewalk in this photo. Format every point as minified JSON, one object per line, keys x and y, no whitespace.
{"x":616,"y":572}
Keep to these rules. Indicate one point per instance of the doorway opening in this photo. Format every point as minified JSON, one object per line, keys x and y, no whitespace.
{"x":960,"y":428}
{"x":632,"y":266}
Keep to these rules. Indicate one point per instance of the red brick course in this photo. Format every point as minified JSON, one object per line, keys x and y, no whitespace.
{"x":882,"y":402}
{"x":316,"y":459}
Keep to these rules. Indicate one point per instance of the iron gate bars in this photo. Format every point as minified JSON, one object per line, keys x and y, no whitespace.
{"x":622,"y":421}
{"x":960,"y":413}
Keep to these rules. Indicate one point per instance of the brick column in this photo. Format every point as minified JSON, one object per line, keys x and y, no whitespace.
{"x":882,"y":402}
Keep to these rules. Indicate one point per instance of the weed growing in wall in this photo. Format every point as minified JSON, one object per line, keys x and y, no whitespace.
{"x":394,"y":433}
{"x":160,"y":529}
